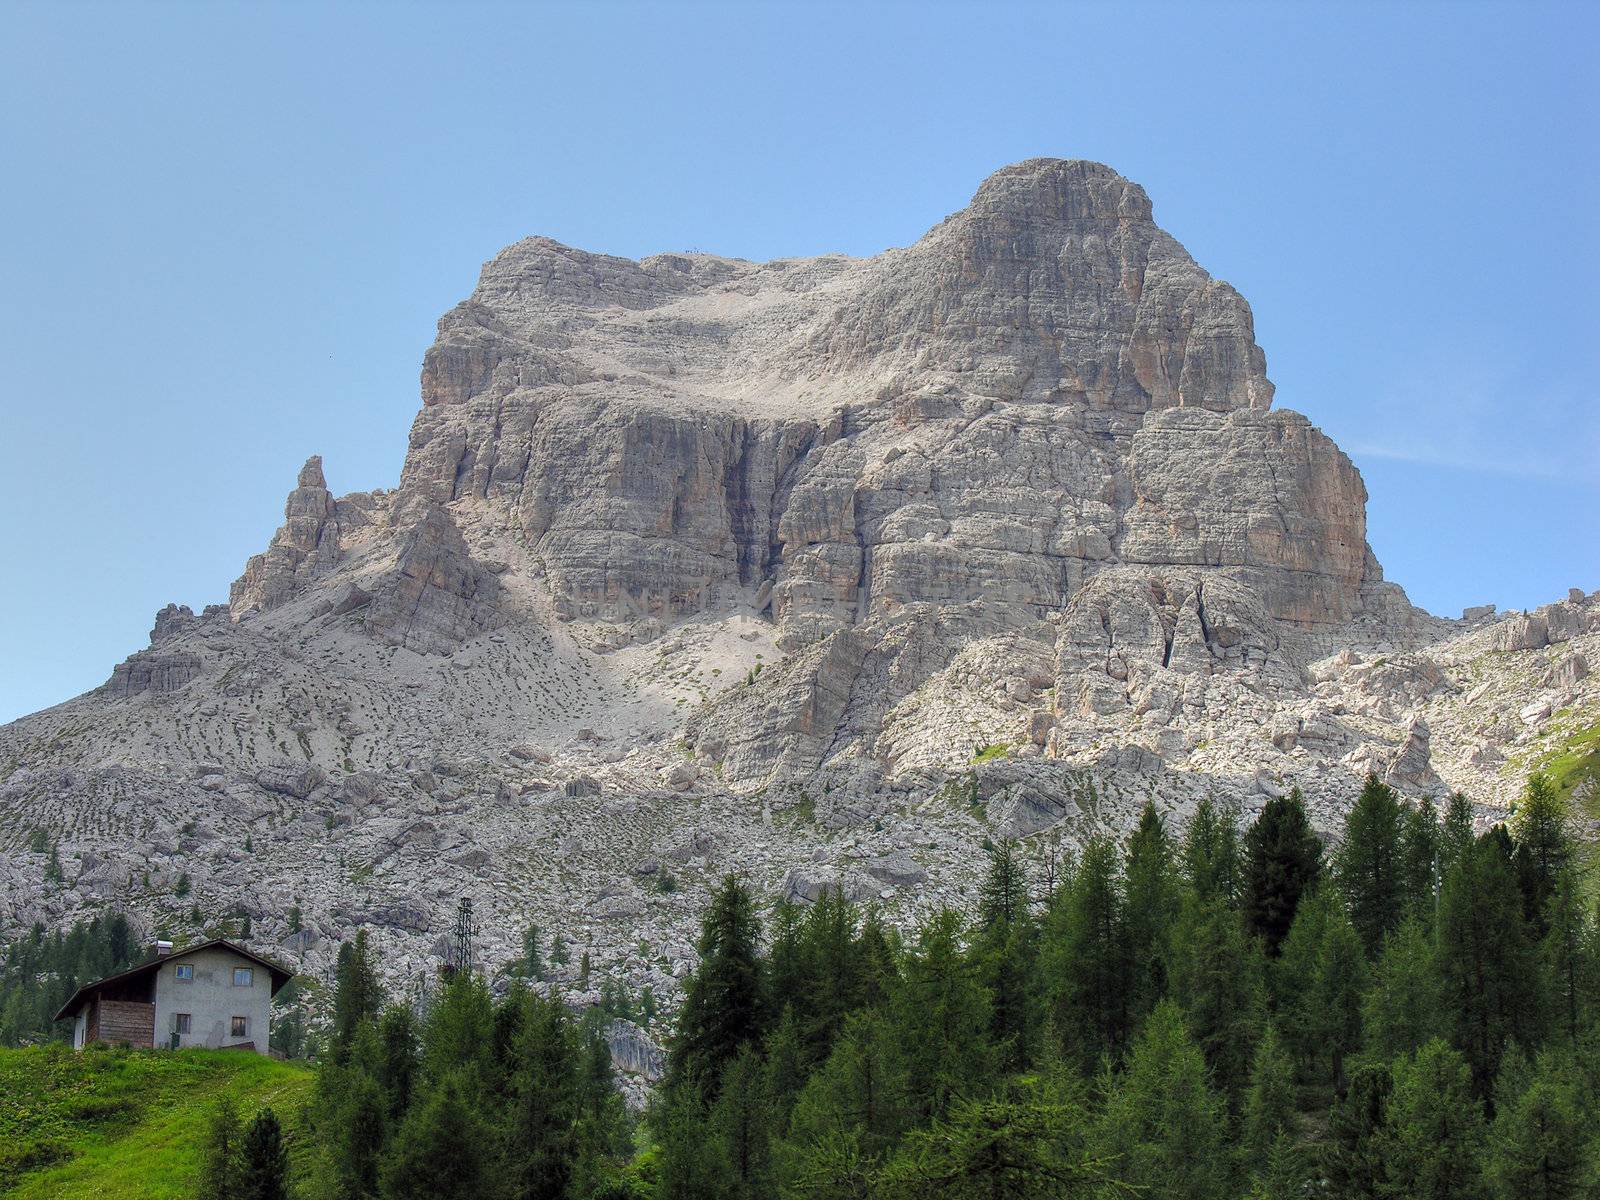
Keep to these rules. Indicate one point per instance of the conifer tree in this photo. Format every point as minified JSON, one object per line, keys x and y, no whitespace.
{"x":690,"y":1165}
{"x":357,"y":996}
{"x":785,"y":974}
{"x":1487,"y":967}
{"x":1401,"y":1010}
{"x":1218,"y":979}
{"x":264,"y":1160}
{"x":541,"y":1147}
{"x":1320,"y":977}
{"x":1568,"y":955}
{"x":1420,"y":852}
{"x":1007,"y":948}
{"x":1353,"y":1157}
{"x":862,"y":1089}
{"x":876,"y":957}
{"x":1433,"y":1130}
{"x":1152,"y":899}
{"x":1211,"y":854}
{"x":1162,"y":1124}
{"x":1541,"y":1146}
{"x":532,"y":952}
{"x":1455,"y":833}
{"x":1269,"y":1105}
{"x":831,"y":979}
{"x":722,"y":1006}
{"x":360,"y":1125}
{"x":1282,"y":860}
{"x":998,"y":1148}
{"x":397,"y":1063}
{"x":941,"y":1013}
{"x":439,"y":1151}
{"x":1086,"y":962}
{"x":786,"y":1068}
{"x":741,"y":1120}
{"x":1368,"y":864}
{"x":1543,"y":850}
{"x":221,"y":1157}
{"x":460,"y":1032}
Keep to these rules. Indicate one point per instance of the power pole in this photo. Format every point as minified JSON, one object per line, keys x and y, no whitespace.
{"x":461,"y":950}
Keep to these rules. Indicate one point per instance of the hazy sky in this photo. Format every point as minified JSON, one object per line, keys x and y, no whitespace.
{"x":226,"y":234}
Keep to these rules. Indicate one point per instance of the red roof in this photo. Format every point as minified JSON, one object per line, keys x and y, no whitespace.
{"x":79,"y":997}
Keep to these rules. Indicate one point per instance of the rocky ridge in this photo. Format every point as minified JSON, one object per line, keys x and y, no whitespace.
{"x":818,"y":570}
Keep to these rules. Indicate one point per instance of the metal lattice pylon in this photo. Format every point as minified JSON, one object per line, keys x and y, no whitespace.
{"x":461,"y":950}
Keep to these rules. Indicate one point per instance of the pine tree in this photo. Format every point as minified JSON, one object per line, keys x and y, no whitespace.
{"x":459,"y":1036}
{"x":222,"y":1155}
{"x":1340,"y":978}
{"x":1269,"y":1105}
{"x":1282,"y":860}
{"x":689,"y":1165}
{"x":541,"y":1147}
{"x":1218,"y":979}
{"x":397,"y":1062}
{"x":264,"y":1160}
{"x":1006,"y":949}
{"x":1543,"y":850}
{"x":357,"y":995}
{"x":1540,"y":1147}
{"x":722,"y":1006}
{"x":1319,"y":980}
{"x":1211,"y":854}
{"x":1455,"y":833}
{"x":863,"y":1089}
{"x":786,"y":1069}
{"x":1368,"y":864}
{"x":1487,"y":967}
{"x":438,"y":1153}
{"x":1162,"y":1124}
{"x":996,"y":1149}
{"x":1353,"y":1157}
{"x":830,"y":969}
{"x":741,"y":1120}
{"x":1152,"y":899}
{"x":942,"y":1016}
{"x":876,"y":958}
{"x":1568,"y":955}
{"x":360,"y":1127}
{"x":1420,"y":852}
{"x":532,"y":956}
{"x":1401,"y":1011}
{"x":1086,"y":962}
{"x":1433,"y":1130}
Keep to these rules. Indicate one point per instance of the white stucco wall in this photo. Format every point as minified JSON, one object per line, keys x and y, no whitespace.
{"x":212,"y":1001}
{"x":80,"y":1026}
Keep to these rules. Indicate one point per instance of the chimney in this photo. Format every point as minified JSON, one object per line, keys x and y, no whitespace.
{"x":163,"y":949}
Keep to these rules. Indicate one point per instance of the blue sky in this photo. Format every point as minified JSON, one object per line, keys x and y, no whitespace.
{"x":226,"y":234}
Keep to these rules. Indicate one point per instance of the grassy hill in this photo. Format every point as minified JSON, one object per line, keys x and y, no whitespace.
{"x":127,"y":1125}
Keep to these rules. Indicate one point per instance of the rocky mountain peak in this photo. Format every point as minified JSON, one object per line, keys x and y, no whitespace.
{"x":1040,"y":190}
{"x":822,"y":570}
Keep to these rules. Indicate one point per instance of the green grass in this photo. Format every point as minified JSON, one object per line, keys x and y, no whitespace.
{"x":1575,"y":761}
{"x":128,"y":1124}
{"x":990,"y":752}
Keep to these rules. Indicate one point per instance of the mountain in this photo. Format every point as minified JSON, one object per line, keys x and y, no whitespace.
{"x":820,"y":570}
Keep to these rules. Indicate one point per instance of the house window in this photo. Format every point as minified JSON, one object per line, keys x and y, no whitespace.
{"x":243,"y":976}
{"x":241,"y":1027}
{"x":180,"y":1022}
{"x":185,"y":971}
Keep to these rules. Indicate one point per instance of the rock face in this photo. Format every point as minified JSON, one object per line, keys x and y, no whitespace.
{"x":862,"y":560}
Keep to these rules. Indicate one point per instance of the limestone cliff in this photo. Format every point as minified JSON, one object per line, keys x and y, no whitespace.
{"x":797,"y":568}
